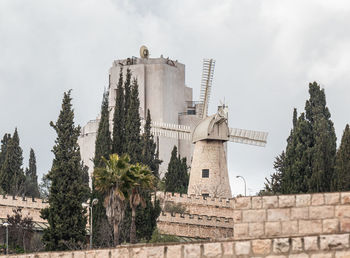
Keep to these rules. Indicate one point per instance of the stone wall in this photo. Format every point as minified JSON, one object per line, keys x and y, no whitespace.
{"x":30,"y":206}
{"x":268,"y":216}
{"x":327,"y":246}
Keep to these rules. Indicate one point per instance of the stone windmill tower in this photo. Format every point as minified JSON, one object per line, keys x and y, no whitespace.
{"x":209,"y":173}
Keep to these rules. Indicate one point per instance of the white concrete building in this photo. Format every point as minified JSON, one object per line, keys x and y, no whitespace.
{"x":162,"y":90}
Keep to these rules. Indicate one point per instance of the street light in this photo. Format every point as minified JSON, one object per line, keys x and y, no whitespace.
{"x":245,"y":185}
{"x":5,"y":224}
{"x":86,"y":205}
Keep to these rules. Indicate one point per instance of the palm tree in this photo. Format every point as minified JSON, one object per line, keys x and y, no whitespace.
{"x":143,"y":180}
{"x":114,"y":180}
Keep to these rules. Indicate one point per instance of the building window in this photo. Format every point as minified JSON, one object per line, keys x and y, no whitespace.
{"x":205,"y":173}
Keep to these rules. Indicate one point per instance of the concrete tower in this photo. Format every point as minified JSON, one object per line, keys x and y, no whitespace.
{"x":209,"y":174}
{"x":162,"y":90}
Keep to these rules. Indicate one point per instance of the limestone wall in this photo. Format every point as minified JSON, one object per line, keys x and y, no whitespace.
{"x":30,"y":206}
{"x":268,"y":216}
{"x":327,"y":246}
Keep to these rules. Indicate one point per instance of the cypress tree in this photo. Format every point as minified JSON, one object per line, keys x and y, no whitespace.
{"x":101,"y":228}
{"x":3,"y":148}
{"x":341,"y":178}
{"x":324,"y":140}
{"x":31,"y":184}
{"x":176,"y":178}
{"x":309,"y":160}
{"x":65,"y":214}
{"x":133,"y":125}
{"x":12,"y":175}
{"x":118,"y":144}
{"x":149,"y":155}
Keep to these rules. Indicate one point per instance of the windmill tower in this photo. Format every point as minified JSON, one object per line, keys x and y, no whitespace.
{"x":209,"y":173}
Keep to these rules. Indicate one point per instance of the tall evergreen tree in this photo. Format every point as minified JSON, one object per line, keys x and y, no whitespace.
{"x":118,"y":144}
{"x":12,"y":175}
{"x":149,"y":155}
{"x":308,"y":165}
{"x":324,"y":139}
{"x":133,"y":125}
{"x":65,"y":214}
{"x":3,"y":148}
{"x":31,"y":183}
{"x":176,"y":178}
{"x":341,"y":178}
{"x":101,"y":228}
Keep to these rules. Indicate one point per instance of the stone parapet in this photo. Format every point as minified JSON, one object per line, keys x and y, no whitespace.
{"x":30,"y":206}
{"x":195,"y":219}
{"x":328,"y":245}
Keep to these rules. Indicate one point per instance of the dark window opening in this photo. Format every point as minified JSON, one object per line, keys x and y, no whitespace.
{"x":205,"y":173}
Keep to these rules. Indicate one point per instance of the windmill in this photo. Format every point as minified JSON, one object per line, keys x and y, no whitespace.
{"x":209,"y":173}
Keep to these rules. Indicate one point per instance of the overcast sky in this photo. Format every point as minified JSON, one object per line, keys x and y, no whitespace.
{"x":266,"y":54}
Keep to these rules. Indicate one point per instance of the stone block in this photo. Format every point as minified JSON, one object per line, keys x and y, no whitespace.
{"x":191,"y":251}
{"x":227,"y":249}
{"x":342,"y":254}
{"x":154,"y":252}
{"x":321,"y":212}
{"x":237,"y":216}
{"x":104,"y":253}
{"x":261,"y":246}
{"x":302,"y":200}
{"x":297,"y":244}
{"x":278,"y":214}
{"x":322,"y":255}
{"x":345,"y":198}
{"x":331,"y":242}
{"x":289,"y":228}
{"x":173,"y":251}
{"x":281,"y":245}
{"x":256,"y":229}
{"x":310,"y":226}
{"x":120,"y":252}
{"x":240,"y":230}
{"x":276,"y":256}
{"x":317,"y":199}
{"x":138,"y":252}
{"x":310,"y":243}
{"x":330,"y":226}
{"x":88,"y":254}
{"x":254,"y":215}
{"x":342,"y":211}
{"x":212,"y":250}
{"x":301,"y":255}
{"x":243,"y":203}
{"x":345,"y":224}
{"x":332,"y":198}
{"x":272,"y":228}
{"x":256,"y":202}
{"x":270,"y":202}
{"x":286,"y":201}
{"x":242,"y":247}
{"x":299,"y":213}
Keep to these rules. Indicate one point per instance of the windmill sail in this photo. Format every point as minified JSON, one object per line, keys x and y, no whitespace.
{"x":248,"y":137}
{"x":206,"y":83}
{"x":181,"y":132}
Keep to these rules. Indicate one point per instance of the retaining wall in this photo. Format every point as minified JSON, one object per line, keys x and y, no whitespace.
{"x":323,"y":246}
{"x":268,"y":216}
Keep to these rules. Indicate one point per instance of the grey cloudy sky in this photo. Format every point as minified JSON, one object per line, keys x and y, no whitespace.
{"x":266,"y":54}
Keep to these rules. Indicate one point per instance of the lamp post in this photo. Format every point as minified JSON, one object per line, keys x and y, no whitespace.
{"x":5,"y":224}
{"x":86,"y":205}
{"x":245,"y":185}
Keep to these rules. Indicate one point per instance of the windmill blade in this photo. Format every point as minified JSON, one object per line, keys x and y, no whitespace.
{"x":181,"y":132}
{"x":206,"y":83}
{"x":248,"y":137}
